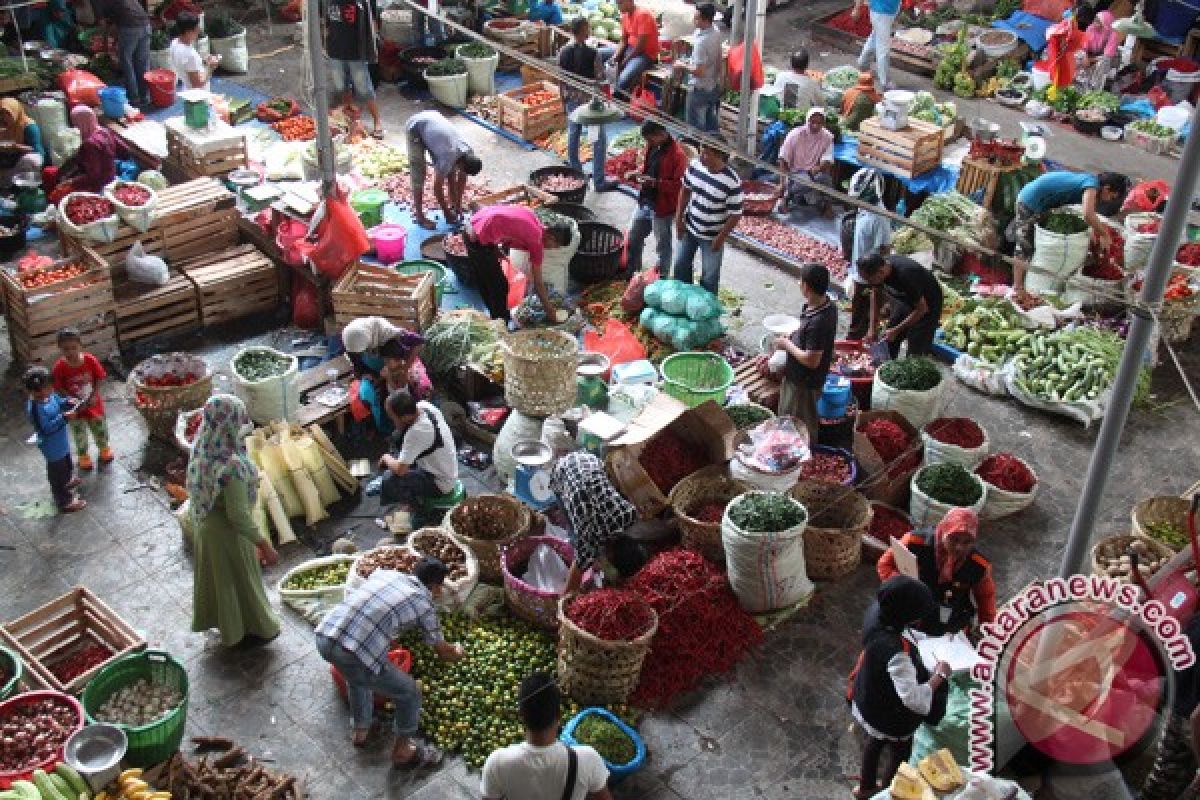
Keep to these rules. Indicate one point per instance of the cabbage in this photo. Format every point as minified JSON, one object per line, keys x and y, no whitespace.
{"x":154,"y":179}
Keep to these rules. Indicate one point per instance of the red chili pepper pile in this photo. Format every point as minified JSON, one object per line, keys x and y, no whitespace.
{"x":711,"y":511}
{"x":1178,"y":288}
{"x":1106,"y":265}
{"x":1007,"y":472}
{"x":80,"y":661}
{"x":668,"y":459}
{"x":888,"y":523}
{"x":831,"y":467}
{"x":84,"y":208}
{"x":131,"y":194}
{"x":1189,"y":254}
{"x":619,"y":166}
{"x":617,"y":615}
{"x":701,"y":628}
{"x":958,"y":431}
{"x":850,"y":22}
{"x":170,"y":379}
{"x":890,"y":442}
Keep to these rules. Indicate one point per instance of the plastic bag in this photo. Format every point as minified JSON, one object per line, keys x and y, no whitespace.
{"x":547,"y":571}
{"x":616,"y":341}
{"x":775,"y":446}
{"x":633,"y":301}
{"x":143,"y":268}
{"x":305,"y":310}
{"x":81,"y":87}
{"x":642,"y":100}
{"x":340,"y":238}
{"x":982,"y":377}
{"x":734,"y":67}
{"x":652,"y":296}
{"x":518,"y":281}
{"x":701,"y":304}
{"x":673,"y":299}
{"x":1147,"y":196}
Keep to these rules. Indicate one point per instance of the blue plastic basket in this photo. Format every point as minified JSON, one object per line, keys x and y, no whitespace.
{"x":617,"y":772}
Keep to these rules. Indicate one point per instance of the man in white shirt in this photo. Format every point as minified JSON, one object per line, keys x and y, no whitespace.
{"x":542,"y":767}
{"x":190,"y":67}
{"x":795,"y":89}
{"x":426,"y":463}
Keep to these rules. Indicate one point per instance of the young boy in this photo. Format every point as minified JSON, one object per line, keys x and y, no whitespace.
{"x":49,"y":413}
{"x":427,"y":462}
{"x":77,"y":376}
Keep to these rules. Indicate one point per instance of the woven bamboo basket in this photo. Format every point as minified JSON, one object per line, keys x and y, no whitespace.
{"x":839,"y":516}
{"x":1177,"y":320}
{"x":514,"y":517}
{"x":160,"y":405}
{"x":1118,"y":545}
{"x":595,"y":671}
{"x":1171,"y":509}
{"x":537,"y":606}
{"x":710,"y":483}
{"x":539,"y":371}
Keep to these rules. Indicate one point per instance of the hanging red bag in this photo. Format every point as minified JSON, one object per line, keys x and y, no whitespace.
{"x":734,"y":67}
{"x":643,"y":101}
{"x":340,"y":238}
{"x":1147,"y":196}
{"x":305,"y":311}
{"x":81,"y":87}
{"x":633,"y":301}
{"x":616,"y":341}
{"x":517,"y":283}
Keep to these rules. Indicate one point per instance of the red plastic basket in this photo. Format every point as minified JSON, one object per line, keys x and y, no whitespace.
{"x":7,"y":778}
{"x":399,"y":656}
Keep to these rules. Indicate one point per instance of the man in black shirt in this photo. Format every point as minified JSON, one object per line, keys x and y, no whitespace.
{"x":585,"y":62}
{"x":915,"y":299}
{"x":350,"y":42}
{"x":809,"y":350}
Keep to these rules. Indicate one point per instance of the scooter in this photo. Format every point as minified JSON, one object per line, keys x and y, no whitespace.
{"x":1176,"y":585}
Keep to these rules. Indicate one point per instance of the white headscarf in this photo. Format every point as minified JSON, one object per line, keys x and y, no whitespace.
{"x":368,"y":333}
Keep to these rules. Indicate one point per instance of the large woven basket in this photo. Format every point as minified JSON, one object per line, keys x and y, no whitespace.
{"x":1118,"y":545}
{"x":595,"y":671}
{"x":1176,"y":320}
{"x":599,"y":255}
{"x":1171,"y":509}
{"x":160,"y":405}
{"x":537,"y":606}
{"x":539,"y":371}
{"x":515,"y":517}
{"x":710,"y":483}
{"x":838,"y":518}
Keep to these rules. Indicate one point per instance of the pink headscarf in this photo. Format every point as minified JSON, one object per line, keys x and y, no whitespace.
{"x":1102,"y":39}
{"x":83,"y":118}
{"x":959,"y":520}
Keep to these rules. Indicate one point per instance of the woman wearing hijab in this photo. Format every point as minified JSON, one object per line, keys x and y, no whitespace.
{"x":959,"y":578}
{"x":222,"y":485}
{"x":864,"y":88}
{"x":94,"y":165}
{"x":891,"y":692}
{"x":807,"y":157}
{"x":22,"y":149}
{"x":384,"y":357}
{"x":1099,"y":54}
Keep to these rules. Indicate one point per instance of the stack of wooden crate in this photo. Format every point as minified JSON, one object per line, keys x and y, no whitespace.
{"x":532,"y":121}
{"x":69,"y":293}
{"x":191,"y":155}
{"x":908,"y":152}
{"x":365,"y":291}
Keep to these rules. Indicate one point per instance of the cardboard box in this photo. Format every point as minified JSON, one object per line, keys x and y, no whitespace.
{"x":890,"y":489}
{"x":707,"y":425}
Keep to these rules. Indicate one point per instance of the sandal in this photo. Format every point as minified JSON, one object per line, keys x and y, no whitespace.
{"x":377,"y":134}
{"x":423,"y":756}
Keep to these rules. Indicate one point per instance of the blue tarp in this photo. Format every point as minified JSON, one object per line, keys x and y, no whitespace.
{"x":1030,"y":28}
{"x":937,"y":180}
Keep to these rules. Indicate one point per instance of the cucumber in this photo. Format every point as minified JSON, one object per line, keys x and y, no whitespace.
{"x":46,"y":787}
{"x":27,"y":790}
{"x":74,"y":779}
{"x":61,"y":784}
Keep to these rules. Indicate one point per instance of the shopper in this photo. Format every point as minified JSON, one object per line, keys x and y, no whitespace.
{"x":454,"y":160}
{"x":517,"y":228}
{"x":883,"y":19}
{"x":710,"y":206}
{"x":891,"y":692}
{"x":351,"y":43}
{"x":1100,"y":51}
{"x":639,"y":44}
{"x":957,"y":575}
{"x":49,"y":413}
{"x":872,"y":236}
{"x":356,"y":636}
{"x":809,"y":350}
{"x":94,"y":164}
{"x":542,"y":767}
{"x":379,"y":351}
{"x":659,"y":184}
{"x":230,"y":548}
{"x":704,"y":91}
{"x":915,"y":298}
{"x":424,"y":461}
{"x":192,"y":70}
{"x":807,"y":158}
{"x":58,"y":26}
{"x":21,"y":147}
{"x":77,"y":375}
{"x":1173,"y":775}
{"x":132,"y":22}
{"x":546,"y":11}
{"x":597,"y":512}
{"x":586,"y":63}
{"x":795,"y":88}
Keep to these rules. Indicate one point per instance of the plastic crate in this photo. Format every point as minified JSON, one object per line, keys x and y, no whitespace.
{"x":7,"y":778}
{"x":599,"y":255}
{"x":695,"y":378}
{"x":617,"y":772}
{"x":153,"y":743}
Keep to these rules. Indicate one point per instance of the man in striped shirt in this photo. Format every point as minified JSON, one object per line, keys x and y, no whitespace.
{"x":710,"y":206}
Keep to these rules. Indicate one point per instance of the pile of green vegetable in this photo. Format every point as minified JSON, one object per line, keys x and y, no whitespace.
{"x":1066,"y":223}
{"x":1007,"y":68}
{"x":989,"y":329}
{"x":1152,"y":128}
{"x":475,"y":50}
{"x":926,"y":108}
{"x":628,"y":139}
{"x":766,"y":512}
{"x":1074,"y":365}
{"x":381,"y":161}
{"x":953,"y":59}
{"x":951,"y":484}
{"x":1169,"y":534}
{"x":613,"y":745}
{"x":952,"y":212}
{"x":446,"y":67}
{"x":910,"y":240}
{"x":747,"y":415}
{"x":1100,"y":100}
{"x":334,"y":574}
{"x":455,"y":341}
{"x":913,"y":374}
{"x":840,"y":78}
{"x":258,"y":365}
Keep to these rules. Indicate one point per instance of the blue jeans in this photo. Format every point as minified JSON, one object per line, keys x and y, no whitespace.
{"x":133,"y":53}
{"x":702,"y":107}
{"x":879,"y":43}
{"x":639,"y":228}
{"x":347,"y":75}
{"x":436,"y":31}
{"x":632,"y":71}
{"x":362,"y":685}
{"x":599,"y":148}
{"x":710,"y":261}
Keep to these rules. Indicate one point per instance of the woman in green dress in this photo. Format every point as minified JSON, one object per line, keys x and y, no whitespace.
{"x":222,"y":486}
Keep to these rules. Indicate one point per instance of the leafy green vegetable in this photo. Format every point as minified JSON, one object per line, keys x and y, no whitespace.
{"x":613,"y":745}
{"x":257,"y":365}
{"x":1007,"y":68}
{"x":1169,"y":534}
{"x":1064,"y":222}
{"x":964,"y":85}
{"x":219,"y":25}
{"x":913,"y":374}
{"x":627,"y":140}
{"x":1103,"y":101}
{"x":446,"y":67}
{"x":1152,"y":128}
{"x":766,"y":512}
{"x":451,"y":340}
{"x":476,"y":50}
{"x":160,"y":39}
{"x":951,"y":484}
{"x":747,"y":415}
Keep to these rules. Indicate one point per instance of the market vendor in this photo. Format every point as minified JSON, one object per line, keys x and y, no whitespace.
{"x":429,"y":132}
{"x":94,"y":165}
{"x":21,"y":149}
{"x":1100,"y":47}
{"x":872,"y":236}
{"x":807,"y":155}
{"x":660,"y":182}
{"x":795,"y":88}
{"x":704,"y":68}
{"x":809,"y":350}
{"x":958,"y":576}
{"x":514,"y":227}
{"x":1101,"y":194}
{"x":356,"y":636}
{"x":424,"y":462}
{"x":861,"y":93}
{"x":639,"y":44}
{"x":58,"y":25}
{"x":914,"y":297}
{"x":192,"y":70}
{"x":585,"y":62}
{"x":383,"y":357}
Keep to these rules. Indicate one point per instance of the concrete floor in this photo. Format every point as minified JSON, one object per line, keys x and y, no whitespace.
{"x":776,"y":728}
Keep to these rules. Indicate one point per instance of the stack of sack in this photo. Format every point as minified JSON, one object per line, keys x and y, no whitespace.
{"x":683,"y":315}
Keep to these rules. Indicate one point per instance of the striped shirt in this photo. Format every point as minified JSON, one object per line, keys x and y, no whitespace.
{"x":716,"y":196}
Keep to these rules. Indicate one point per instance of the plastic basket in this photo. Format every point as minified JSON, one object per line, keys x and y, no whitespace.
{"x":695,"y":378}
{"x":599,"y":255}
{"x":617,"y":772}
{"x":564,"y":196}
{"x":440,"y":281}
{"x":153,"y":743}
{"x":575,"y":211}
{"x":14,"y":667}
{"x":537,"y":606}
{"x":27,"y":698}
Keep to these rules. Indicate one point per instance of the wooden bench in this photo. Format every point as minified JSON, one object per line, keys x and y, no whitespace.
{"x":311,"y":382}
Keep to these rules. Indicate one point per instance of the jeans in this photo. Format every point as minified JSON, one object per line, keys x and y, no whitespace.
{"x":60,"y":473}
{"x":639,"y":228}
{"x":436,"y":31}
{"x":354,"y":75}
{"x":362,"y":685}
{"x":701,"y":109}
{"x":599,"y":148}
{"x":407,"y":488}
{"x":632,"y":71}
{"x":133,"y":53}
{"x":710,"y":261}
{"x":879,"y":43}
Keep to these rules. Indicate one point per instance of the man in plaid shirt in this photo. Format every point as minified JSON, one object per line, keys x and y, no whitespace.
{"x":356,"y":636}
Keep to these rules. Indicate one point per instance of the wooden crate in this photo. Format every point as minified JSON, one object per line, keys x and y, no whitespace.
{"x":314,"y":380}
{"x":532,"y":122}
{"x":53,"y":631}
{"x":978,"y":173}
{"x":365,"y":291}
{"x":233,"y":283}
{"x":35,"y":315}
{"x":147,"y":311}
{"x":184,"y":162}
{"x":520,"y":195}
{"x":910,"y":152}
{"x":531,"y":47}
{"x":764,"y":391}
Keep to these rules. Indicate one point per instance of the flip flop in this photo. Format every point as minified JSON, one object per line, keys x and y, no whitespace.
{"x":423,"y":756}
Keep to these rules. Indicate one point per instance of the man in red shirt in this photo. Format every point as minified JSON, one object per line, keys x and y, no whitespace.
{"x":77,"y":376}
{"x":659,"y":182}
{"x":639,"y":44}
{"x":513,"y":228}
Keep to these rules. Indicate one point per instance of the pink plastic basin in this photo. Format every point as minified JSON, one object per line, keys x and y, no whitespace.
{"x":388,"y":240}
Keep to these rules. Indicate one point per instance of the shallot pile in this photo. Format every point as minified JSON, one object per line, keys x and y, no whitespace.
{"x":34,"y":733}
{"x":792,"y":243}
{"x":832,"y":467}
{"x":443,"y":548}
{"x":710,"y":511}
{"x":139,"y":704}
{"x":561,"y":183}
{"x":394,"y":558}
{"x":454,"y":245}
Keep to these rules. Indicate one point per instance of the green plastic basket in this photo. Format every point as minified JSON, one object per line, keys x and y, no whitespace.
{"x":440,"y":280}
{"x":15,"y":668}
{"x":696,"y":378}
{"x":148,"y":744}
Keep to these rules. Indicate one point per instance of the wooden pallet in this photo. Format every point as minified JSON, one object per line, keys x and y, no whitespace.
{"x":233,"y":283}
{"x":47,"y":634}
{"x":365,"y":291}
{"x":763,"y":391}
{"x":978,"y":173}
{"x":532,"y":122}
{"x":184,"y":162}
{"x":910,"y":152}
{"x":35,"y":315}
{"x":311,"y":382}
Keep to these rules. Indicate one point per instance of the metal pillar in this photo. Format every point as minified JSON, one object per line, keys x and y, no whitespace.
{"x":315,"y":50}
{"x":736,"y":18}
{"x":745,"y":110}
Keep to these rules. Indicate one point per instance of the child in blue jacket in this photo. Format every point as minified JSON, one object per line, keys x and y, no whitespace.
{"x":49,"y":413}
